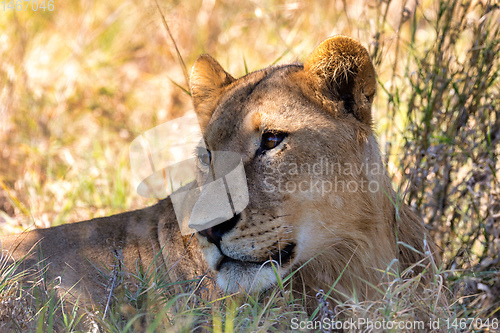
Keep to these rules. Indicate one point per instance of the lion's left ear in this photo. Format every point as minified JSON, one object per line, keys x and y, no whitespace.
{"x":343,"y":72}
{"x":206,"y":82}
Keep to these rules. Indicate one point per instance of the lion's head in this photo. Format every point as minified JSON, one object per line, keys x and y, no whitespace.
{"x":319,"y":193}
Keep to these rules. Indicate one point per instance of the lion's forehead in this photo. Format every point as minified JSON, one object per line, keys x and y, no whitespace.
{"x":253,"y":103}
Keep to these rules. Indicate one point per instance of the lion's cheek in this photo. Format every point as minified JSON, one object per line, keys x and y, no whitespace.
{"x":310,"y":243}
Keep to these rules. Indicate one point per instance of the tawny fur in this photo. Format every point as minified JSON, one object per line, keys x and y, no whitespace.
{"x":324,"y":107}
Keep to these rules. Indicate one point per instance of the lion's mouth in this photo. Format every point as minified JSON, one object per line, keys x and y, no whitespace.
{"x":282,"y":257}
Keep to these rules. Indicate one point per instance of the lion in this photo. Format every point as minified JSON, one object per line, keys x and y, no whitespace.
{"x":319,"y":194}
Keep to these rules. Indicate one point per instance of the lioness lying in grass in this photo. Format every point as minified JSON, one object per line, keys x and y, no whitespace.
{"x":343,"y":222}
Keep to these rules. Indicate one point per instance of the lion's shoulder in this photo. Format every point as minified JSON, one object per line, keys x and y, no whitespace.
{"x":86,"y":256}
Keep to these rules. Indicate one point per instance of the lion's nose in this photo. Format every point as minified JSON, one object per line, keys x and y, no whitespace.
{"x":215,"y":233}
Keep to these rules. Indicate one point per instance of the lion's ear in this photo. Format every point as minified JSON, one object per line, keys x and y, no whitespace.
{"x":343,"y":72}
{"x":207,"y":81}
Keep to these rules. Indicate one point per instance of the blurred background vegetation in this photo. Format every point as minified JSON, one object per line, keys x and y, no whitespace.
{"x":79,"y":83}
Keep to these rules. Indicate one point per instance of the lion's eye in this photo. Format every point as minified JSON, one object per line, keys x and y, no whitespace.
{"x":204,"y":156}
{"x":270,"y":140}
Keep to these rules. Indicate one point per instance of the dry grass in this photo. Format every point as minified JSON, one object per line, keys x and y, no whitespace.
{"x":80,"y":83}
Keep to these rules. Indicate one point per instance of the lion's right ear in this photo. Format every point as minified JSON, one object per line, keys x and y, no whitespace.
{"x":206,"y":82}
{"x":343,"y":73}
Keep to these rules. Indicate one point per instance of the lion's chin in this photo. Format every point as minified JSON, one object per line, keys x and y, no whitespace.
{"x":234,"y":275}
{"x":248,"y":277}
